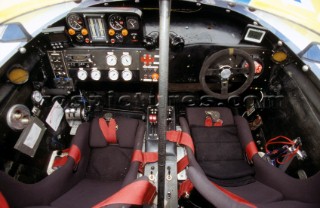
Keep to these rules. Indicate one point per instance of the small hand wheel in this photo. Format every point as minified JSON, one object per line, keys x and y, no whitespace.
{"x":225,"y":64}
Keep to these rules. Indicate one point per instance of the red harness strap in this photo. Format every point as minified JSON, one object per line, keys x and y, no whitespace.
{"x":73,"y":152}
{"x":235,"y":197}
{"x":144,"y":158}
{"x":109,"y":130}
{"x":251,"y":149}
{"x":180,"y":138}
{"x":182,"y":163}
{"x":3,"y":202}
{"x":137,"y":193}
{"x":185,"y":189}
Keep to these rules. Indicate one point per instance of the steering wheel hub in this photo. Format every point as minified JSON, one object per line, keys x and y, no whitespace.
{"x":226,"y":72}
{"x":228,"y":63}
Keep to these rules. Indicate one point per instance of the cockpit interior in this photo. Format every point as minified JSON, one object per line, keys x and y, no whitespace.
{"x":102,"y":99}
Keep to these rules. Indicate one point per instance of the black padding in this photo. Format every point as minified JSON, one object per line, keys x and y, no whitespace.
{"x":96,"y":137}
{"x":291,"y":204}
{"x":219,"y":153}
{"x":196,"y":116}
{"x":126,"y":132}
{"x":257,"y":193}
{"x":87,"y":193}
{"x":109,"y":163}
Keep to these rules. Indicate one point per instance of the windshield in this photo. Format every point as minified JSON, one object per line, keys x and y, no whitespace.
{"x":296,"y":22}
{"x":303,"y":12}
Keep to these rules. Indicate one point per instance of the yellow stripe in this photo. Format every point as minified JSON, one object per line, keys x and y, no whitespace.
{"x":10,"y":9}
{"x":306,"y":12}
{"x":231,"y":51}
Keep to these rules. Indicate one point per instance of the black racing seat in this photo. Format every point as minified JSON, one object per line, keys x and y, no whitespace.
{"x":102,"y":170}
{"x":220,"y":166}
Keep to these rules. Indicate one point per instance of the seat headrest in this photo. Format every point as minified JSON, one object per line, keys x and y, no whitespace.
{"x":196,"y":116}
{"x":125,"y":133}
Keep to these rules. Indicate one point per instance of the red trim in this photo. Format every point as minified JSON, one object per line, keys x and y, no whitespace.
{"x":60,"y":161}
{"x":208,"y":121}
{"x":144,"y":158}
{"x":218,"y":123}
{"x":75,"y":153}
{"x":109,"y":130}
{"x":180,"y":138}
{"x":185,"y":189}
{"x":251,"y":150}
{"x":3,"y":201}
{"x":182,"y":164}
{"x":235,"y":197}
{"x":137,"y":193}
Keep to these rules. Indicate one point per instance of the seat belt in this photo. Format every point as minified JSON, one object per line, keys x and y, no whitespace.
{"x":180,"y":138}
{"x":144,"y":158}
{"x":109,"y":128}
{"x":140,"y":192}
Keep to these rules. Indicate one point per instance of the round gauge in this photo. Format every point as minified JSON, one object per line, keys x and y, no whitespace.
{"x":258,"y":68}
{"x":113,"y":74}
{"x":132,"y":23}
{"x":95,"y":74}
{"x":111,"y":60}
{"x":75,"y":22}
{"x":126,"y":60}
{"x":36,"y":96}
{"x":82,"y":74}
{"x":18,"y":75}
{"x":126,"y":75}
{"x":116,"y":22}
{"x":119,"y":38}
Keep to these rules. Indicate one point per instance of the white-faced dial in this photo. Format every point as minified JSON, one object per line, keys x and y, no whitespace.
{"x":95,"y":74}
{"x":82,"y":74}
{"x":126,"y":75}
{"x":113,"y":74}
{"x":126,"y":60}
{"x":37,"y":96}
{"x":111,"y":60}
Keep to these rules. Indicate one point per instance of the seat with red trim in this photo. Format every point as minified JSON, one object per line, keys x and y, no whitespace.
{"x":103,"y":168}
{"x":223,"y":177}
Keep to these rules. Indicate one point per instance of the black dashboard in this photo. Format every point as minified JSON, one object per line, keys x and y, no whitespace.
{"x":120,"y":44}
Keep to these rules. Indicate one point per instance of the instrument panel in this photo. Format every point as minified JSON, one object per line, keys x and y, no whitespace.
{"x":105,"y":64}
{"x":105,"y":26}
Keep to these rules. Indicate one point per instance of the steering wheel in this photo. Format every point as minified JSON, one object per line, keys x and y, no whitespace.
{"x":224,"y":64}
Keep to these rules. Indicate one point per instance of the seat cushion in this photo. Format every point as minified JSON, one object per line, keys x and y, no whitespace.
{"x":109,"y":163}
{"x":87,"y":193}
{"x":219,"y":153}
{"x":291,"y":204}
{"x":257,"y":193}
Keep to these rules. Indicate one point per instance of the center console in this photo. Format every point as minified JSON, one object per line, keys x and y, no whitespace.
{"x":151,"y":144}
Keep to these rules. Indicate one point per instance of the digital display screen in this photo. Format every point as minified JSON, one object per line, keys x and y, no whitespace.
{"x":97,"y":29}
{"x":254,"y":35}
{"x":57,"y":37}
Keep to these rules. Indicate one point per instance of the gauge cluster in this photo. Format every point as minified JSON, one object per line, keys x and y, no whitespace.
{"x":101,"y":64}
{"x":96,"y":26}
